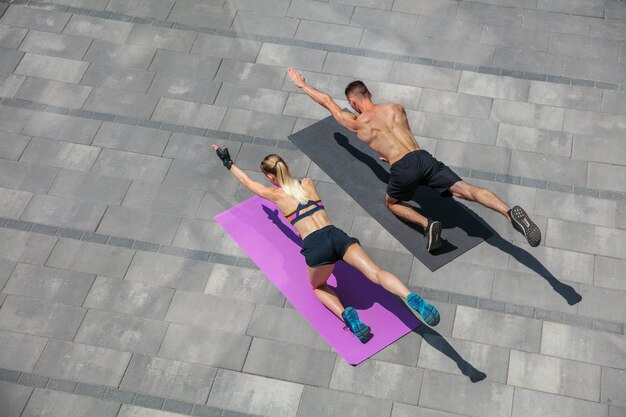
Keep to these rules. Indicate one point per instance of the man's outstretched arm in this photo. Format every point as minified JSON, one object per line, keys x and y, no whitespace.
{"x":346,"y":119}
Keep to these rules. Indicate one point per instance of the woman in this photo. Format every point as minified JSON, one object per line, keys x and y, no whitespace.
{"x":322,"y":243}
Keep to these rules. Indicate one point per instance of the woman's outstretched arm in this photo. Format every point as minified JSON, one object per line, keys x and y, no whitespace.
{"x":257,"y":188}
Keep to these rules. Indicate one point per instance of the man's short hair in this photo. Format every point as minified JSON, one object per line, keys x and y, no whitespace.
{"x":358,"y":88}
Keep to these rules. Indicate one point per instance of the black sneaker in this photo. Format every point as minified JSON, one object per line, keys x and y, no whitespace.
{"x":433,"y":235}
{"x":522,"y":223}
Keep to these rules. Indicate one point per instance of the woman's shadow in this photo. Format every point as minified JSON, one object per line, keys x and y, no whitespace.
{"x":348,"y":279}
{"x":452,"y":214}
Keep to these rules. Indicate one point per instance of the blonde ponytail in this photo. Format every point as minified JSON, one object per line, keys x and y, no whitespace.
{"x":275,"y":165}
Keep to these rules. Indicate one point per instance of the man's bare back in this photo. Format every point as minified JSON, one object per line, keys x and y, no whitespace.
{"x":385,"y":129}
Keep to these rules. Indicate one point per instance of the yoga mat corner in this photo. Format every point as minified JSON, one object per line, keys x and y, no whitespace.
{"x":274,"y":246}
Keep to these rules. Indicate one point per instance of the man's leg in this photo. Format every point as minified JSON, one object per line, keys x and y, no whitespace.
{"x":469,"y":192}
{"x":432,"y":229}
{"x":517,"y":216}
{"x":405,"y":211}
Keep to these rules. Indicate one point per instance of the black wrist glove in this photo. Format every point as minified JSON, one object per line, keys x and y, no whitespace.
{"x":223,"y":154}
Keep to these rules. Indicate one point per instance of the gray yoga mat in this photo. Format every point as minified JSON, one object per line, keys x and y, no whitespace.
{"x":357,"y":170}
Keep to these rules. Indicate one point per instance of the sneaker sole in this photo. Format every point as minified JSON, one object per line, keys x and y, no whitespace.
{"x":434,"y":236}
{"x":431,"y":315}
{"x":522,"y":223}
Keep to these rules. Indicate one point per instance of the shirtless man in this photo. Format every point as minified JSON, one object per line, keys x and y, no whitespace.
{"x":385,"y":129}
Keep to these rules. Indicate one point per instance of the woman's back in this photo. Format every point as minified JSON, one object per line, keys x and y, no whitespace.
{"x":297,"y":213}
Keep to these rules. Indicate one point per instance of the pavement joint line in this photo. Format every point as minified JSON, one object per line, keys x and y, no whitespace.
{"x":482,"y":69}
{"x":283,"y":144}
{"x":113,"y":394}
{"x":244,"y":262}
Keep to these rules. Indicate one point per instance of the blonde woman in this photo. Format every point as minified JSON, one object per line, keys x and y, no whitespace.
{"x":322,"y":243}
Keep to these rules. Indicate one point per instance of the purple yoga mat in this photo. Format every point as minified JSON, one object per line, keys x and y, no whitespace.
{"x":274,"y":246}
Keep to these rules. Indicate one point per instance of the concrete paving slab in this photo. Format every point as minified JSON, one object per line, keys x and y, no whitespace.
{"x":142,"y":8}
{"x":337,"y":403}
{"x":202,"y":14}
{"x":83,"y":363}
{"x":182,"y":86}
{"x":265,"y":396}
{"x":542,"y":404}
{"x":59,"y":154}
{"x":57,"y":404}
{"x":40,"y":318}
{"x":13,"y":202}
{"x":64,"y":212}
{"x":14,"y":398}
{"x":62,"y":127}
{"x":168,"y":378}
{"x":66,"y":287}
{"x":54,"y":93}
{"x":129,"y":297}
{"x":93,"y":27}
{"x":120,"y":55}
{"x":139,"y":224}
{"x":91,"y":258}
{"x":169,"y":271}
{"x":25,"y":247}
{"x":20,"y":351}
{"x":289,"y":362}
{"x":52,"y":68}
{"x":49,"y":21}
{"x":121,"y":332}
{"x":11,"y":37}
{"x":10,"y":84}
{"x":60,"y":45}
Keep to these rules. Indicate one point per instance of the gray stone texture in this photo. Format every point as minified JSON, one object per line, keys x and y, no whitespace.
{"x":222,"y":349}
{"x":59,"y":154}
{"x":496,"y":399}
{"x":239,"y":72}
{"x":11,"y":37}
{"x":169,"y":271}
{"x":40,"y":318}
{"x":113,"y":101}
{"x":89,"y":187}
{"x":121,"y":332}
{"x":161,"y":38}
{"x":20,"y":351}
{"x":13,"y":398}
{"x":100,"y":29}
{"x":62,"y":127}
{"x":58,"y":404}
{"x":119,"y":55}
{"x":317,"y":400}
{"x":201,"y":14}
{"x":185,"y":87}
{"x":210,"y":312}
{"x":613,"y":381}
{"x":535,"y":140}
{"x":167,"y":378}
{"x":52,"y":68}
{"x":10,"y":84}
{"x":46,"y":20}
{"x":13,"y":202}
{"x":608,"y":272}
{"x":190,"y":114}
{"x":142,"y":8}
{"x":497,"y":329}
{"x":397,"y":382}
{"x":139,"y":224}
{"x":25,"y":247}
{"x":51,"y":284}
{"x":83,"y":363}
{"x":263,"y":395}
{"x":60,"y":45}
{"x":132,"y":166}
{"x":64,"y":212}
{"x":541,"y":404}
{"x":222,"y":47}
{"x":243,"y":284}
{"x":127,"y":79}
{"x":91,"y":258}
{"x":288,"y":362}
{"x":250,"y":98}
{"x":583,"y":345}
{"x":53,"y":93}
{"x":129,"y":297}
{"x":494,"y":86}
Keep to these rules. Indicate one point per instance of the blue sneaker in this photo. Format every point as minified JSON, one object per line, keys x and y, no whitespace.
{"x":360,"y":329}
{"x":429,"y":312}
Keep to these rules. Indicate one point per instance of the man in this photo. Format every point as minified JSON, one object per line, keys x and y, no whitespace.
{"x":385,"y":129}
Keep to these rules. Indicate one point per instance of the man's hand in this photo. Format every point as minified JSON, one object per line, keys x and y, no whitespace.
{"x":296,"y":77}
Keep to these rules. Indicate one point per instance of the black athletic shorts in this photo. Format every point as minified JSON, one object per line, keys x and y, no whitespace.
{"x":326,"y":246}
{"x":419,"y":168}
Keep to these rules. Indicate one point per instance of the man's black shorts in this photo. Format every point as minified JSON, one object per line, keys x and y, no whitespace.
{"x":419,"y":168}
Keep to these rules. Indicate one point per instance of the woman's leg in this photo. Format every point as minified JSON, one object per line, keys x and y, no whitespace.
{"x":359,"y":259}
{"x":318,"y":276}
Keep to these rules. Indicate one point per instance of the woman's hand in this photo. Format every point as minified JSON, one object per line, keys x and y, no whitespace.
{"x":224,"y":155}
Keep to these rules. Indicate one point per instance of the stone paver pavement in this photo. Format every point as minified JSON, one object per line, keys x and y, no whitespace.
{"x":120,"y":295}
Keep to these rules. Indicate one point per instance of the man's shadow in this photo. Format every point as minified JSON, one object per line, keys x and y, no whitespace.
{"x":346,"y":276}
{"x":452,"y":214}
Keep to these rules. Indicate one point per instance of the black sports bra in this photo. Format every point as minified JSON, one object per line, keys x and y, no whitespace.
{"x":295,"y":215}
